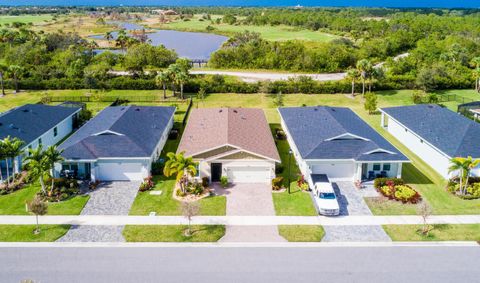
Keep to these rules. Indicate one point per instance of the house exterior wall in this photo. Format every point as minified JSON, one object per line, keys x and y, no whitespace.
{"x":205,"y":170}
{"x":64,"y":128}
{"x":161,"y":143}
{"x":438,"y":160}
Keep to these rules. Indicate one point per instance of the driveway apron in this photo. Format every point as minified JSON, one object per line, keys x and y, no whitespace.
{"x":351,"y":202}
{"x":249,"y":200}
{"x":112,"y":198}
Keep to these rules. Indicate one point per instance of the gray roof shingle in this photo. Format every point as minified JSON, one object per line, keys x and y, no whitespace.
{"x":30,"y":121}
{"x":448,"y":131}
{"x":317,"y":133}
{"x":127,"y":131}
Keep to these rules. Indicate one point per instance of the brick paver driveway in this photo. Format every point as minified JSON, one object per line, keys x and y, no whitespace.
{"x":247,"y":200}
{"x":112,"y":198}
{"x":351,"y":202}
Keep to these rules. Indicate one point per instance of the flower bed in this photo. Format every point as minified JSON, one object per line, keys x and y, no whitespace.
{"x":63,"y":189}
{"x":395,"y":189}
{"x":472,"y":191}
{"x":20,"y":181}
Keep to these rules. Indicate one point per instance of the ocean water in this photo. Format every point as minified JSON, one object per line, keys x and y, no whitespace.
{"x":323,"y":3}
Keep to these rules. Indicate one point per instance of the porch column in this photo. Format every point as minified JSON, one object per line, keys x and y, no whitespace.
{"x":399,"y":170}
{"x":358,"y":173}
{"x":382,"y":120}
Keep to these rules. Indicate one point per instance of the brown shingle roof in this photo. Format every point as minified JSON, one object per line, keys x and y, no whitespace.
{"x":245,"y":128}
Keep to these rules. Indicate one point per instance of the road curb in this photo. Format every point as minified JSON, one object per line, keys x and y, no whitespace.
{"x":235,"y":245}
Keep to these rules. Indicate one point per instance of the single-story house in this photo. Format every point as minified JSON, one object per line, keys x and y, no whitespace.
{"x":434,"y":133}
{"x":119,"y":144}
{"x":334,"y":141}
{"x":37,"y":124}
{"x":232,"y":142}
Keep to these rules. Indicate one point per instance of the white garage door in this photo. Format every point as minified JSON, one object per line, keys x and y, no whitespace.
{"x":120,"y":171}
{"x":339,"y":171}
{"x":249,"y":174}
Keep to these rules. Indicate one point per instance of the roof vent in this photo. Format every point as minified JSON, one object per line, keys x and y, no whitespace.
{"x":220,"y":111}
{"x":315,"y":109}
{"x":430,"y":106}
{"x":235,"y":111}
{"x":26,"y":110}
{"x":137,"y":109}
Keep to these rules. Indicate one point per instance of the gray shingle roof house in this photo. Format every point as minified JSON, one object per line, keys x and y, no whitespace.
{"x":120,"y":143}
{"x":30,"y":121}
{"x":434,"y":133}
{"x":336,"y":142}
{"x":232,"y":142}
{"x":37,"y":124}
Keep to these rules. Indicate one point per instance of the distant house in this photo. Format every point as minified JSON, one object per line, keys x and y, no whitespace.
{"x":119,"y":144}
{"x":434,"y":133}
{"x":37,"y":124}
{"x":232,"y":142}
{"x":334,"y":141}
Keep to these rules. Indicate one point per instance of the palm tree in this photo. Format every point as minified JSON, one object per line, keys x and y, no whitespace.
{"x":181,"y":78}
{"x":15,"y":150}
{"x":6,"y":147}
{"x":162,"y":80}
{"x":108,"y":36}
{"x":353,"y":75}
{"x":52,"y":156}
{"x":464,"y":166}
{"x":38,"y":165}
{"x":2,"y":156}
{"x":122,"y":39}
{"x":3,"y":69}
{"x":16,"y":71}
{"x":181,"y":167}
{"x":364,"y":67}
{"x":172,"y":72}
{"x":476,"y":72}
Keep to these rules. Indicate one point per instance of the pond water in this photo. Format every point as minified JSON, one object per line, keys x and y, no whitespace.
{"x":191,"y":45}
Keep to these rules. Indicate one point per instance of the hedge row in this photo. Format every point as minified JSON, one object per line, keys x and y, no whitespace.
{"x":212,"y":86}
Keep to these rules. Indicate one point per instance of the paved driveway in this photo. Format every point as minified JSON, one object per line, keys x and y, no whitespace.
{"x":112,"y":198}
{"x":247,"y":200}
{"x":351,"y":202}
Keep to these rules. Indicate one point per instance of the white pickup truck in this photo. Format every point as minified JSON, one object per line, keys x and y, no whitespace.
{"x":326,"y":199}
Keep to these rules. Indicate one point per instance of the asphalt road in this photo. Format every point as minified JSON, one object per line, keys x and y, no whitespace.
{"x":228,"y":264}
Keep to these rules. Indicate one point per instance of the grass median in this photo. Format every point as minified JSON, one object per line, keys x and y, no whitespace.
{"x":173,"y":233}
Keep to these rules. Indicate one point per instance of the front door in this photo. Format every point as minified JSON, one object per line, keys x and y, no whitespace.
{"x":88,"y":171}
{"x":216,"y":169}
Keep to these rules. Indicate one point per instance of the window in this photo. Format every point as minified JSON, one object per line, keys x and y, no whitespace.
{"x":40,"y":141}
{"x":55,"y":131}
{"x":386,"y":167}
{"x":376,"y":167}
{"x":197,"y":168}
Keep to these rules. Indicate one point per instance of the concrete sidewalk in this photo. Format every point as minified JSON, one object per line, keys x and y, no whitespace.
{"x":107,"y":220}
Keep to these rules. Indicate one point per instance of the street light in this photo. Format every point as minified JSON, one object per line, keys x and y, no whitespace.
{"x":289,"y":161}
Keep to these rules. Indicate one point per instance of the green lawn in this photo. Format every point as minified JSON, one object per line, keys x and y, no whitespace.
{"x":301,"y":233}
{"x":440,"y":232}
{"x":173,"y":233}
{"x":273,"y":33}
{"x":34,"y":19}
{"x":24,"y":233}
{"x":14,"y":203}
{"x":164,"y":204}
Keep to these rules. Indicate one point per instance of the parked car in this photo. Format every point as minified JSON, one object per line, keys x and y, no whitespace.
{"x":326,"y":199}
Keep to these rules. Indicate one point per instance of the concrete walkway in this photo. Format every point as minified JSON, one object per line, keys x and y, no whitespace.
{"x":351,"y":202}
{"x":120,"y":220}
{"x":112,"y":198}
{"x":249,"y":200}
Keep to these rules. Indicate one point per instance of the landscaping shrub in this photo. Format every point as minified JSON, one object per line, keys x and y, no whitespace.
{"x":279,"y":169}
{"x":205,"y":182}
{"x":157,"y":168}
{"x":195,"y":188}
{"x":147,"y":184}
{"x":224,"y":181}
{"x":401,"y":193}
{"x":277,"y":183}
{"x":380,"y":182}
